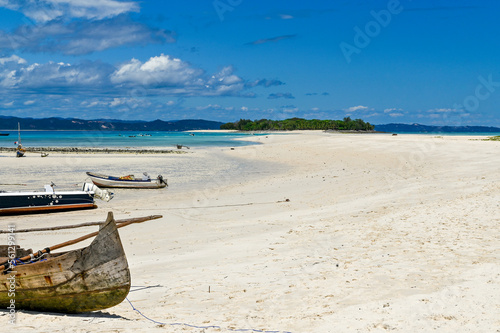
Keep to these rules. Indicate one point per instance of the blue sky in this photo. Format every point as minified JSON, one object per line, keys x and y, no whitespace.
{"x":428,"y":62}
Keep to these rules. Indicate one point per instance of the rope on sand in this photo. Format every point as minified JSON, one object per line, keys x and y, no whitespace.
{"x":203,"y":327}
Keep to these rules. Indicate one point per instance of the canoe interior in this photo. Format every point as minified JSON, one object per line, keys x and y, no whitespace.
{"x":120,"y":179}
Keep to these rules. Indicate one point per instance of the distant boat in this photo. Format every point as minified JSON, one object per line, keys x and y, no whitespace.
{"x":4,"y":134}
{"x":92,"y":278}
{"x":20,"y":151}
{"x":127,"y":181}
{"x":26,"y":202}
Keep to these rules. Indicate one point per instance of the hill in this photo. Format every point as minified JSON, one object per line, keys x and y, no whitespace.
{"x":418,"y":128}
{"x":10,"y":123}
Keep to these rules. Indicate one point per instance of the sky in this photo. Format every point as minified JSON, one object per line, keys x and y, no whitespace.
{"x":395,"y":61}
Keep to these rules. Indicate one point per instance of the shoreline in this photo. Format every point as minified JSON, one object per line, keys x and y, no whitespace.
{"x":84,"y":150}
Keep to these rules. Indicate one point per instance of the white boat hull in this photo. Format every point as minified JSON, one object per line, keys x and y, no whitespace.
{"x":116,"y":182}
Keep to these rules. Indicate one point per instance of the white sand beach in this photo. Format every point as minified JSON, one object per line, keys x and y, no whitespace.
{"x":307,"y":232}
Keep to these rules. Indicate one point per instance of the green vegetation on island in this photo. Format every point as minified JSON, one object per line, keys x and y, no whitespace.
{"x":347,"y":124}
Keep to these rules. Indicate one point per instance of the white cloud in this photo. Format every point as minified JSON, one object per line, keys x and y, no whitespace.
{"x":392,"y":110}
{"x":176,"y":77}
{"x":13,"y":58}
{"x":442,"y":110}
{"x":357,"y":108}
{"x":82,"y":37}
{"x":162,"y":75}
{"x":160,"y":71}
{"x":53,"y":75}
{"x":117,"y":102}
{"x":29,"y":103}
{"x":48,"y":10}
{"x":396,"y":114}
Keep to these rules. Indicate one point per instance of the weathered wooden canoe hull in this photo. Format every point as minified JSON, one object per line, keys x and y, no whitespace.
{"x":34,"y":202}
{"x":89,"y":279}
{"x":116,"y":182}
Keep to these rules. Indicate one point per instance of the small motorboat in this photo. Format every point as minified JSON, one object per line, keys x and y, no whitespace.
{"x":50,"y":200}
{"x":129,"y":181}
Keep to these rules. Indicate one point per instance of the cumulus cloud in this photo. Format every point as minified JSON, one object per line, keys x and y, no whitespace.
{"x":51,"y":75}
{"x":48,"y":10}
{"x":160,"y":71}
{"x":176,"y":77}
{"x":130,"y":84}
{"x":357,"y":108}
{"x":82,"y":37}
{"x":13,"y":58}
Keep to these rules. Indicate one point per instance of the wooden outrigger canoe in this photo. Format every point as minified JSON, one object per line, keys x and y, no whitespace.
{"x":92,"y":278}
{"x":127,"y":181}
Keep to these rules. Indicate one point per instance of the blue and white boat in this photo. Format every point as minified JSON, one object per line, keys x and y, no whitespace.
{"x":129,"y":181}
{"x":51,"y":200}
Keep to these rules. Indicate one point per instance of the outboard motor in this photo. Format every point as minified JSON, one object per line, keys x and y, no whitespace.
{"x":164,"y":181}
{"x":98,"y":193}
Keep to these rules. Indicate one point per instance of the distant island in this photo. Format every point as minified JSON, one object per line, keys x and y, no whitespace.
{"x":418,"y":128}
{"x":8,"y":123}
{"x":73,"y":124}
{"x":347,"y":124}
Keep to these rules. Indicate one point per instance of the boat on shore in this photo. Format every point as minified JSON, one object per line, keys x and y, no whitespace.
{"x":92,"y":278}
{"x":50,"y":200}
{"x":129,"y":181}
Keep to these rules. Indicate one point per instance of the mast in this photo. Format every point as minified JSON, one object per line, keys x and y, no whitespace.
{"x":18,"y":133}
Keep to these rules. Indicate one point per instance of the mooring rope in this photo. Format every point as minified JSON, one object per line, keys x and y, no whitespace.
{"x":203,"y":327}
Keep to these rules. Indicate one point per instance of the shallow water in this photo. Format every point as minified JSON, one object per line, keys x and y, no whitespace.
{"x":108,"y":139}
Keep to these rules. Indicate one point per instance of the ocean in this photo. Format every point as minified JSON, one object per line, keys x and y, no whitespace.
{"x":114,"y":139}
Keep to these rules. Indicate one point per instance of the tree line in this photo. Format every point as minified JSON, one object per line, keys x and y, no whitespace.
{"x":347,"y":124}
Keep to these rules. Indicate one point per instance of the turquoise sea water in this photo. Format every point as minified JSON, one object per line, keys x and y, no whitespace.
{"x":103,"y":139}
{"x":114,"y":139}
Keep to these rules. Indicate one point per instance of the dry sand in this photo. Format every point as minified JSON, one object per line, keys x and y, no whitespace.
{"x":309,"y":232}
